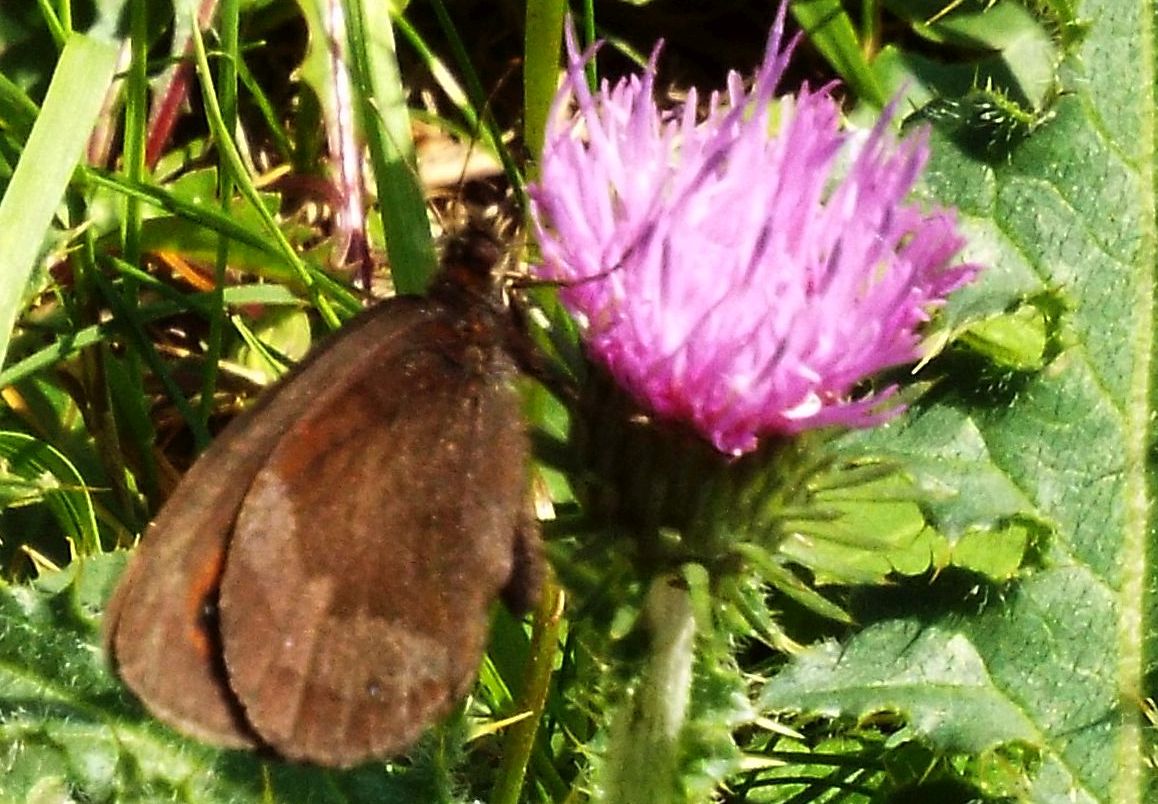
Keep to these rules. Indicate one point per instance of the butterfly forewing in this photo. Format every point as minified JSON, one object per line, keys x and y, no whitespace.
{"x":390,"y":511}
{"x":161,"y":626}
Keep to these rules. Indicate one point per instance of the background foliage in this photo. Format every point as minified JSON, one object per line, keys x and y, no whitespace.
{"x":973,"y":624}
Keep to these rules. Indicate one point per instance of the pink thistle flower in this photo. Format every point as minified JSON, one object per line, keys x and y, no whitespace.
{"x":742,"y":272}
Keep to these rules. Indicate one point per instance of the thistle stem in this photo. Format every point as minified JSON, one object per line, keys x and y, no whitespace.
{"x":643,"y":758}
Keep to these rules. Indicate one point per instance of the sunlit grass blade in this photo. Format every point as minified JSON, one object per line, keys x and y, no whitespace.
{"x":46,"y":165}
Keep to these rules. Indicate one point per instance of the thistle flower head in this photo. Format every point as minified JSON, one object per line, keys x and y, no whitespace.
{"x":742,"y":270}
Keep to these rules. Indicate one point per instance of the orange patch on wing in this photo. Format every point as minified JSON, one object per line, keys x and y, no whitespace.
{"x":206,"y":580}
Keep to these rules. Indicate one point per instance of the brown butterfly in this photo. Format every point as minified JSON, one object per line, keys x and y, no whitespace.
{"x":320,"y":582}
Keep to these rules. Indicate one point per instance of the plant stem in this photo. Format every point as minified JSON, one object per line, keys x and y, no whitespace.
{"x":643,"y":758}
{"x":520,"y":740}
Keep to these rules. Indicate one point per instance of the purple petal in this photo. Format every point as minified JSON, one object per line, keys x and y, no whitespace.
{"x":745,"y":271}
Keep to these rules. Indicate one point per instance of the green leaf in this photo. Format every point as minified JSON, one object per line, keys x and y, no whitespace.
{"x":285,"y":331}
{"x":385,"y":120}
{"x":67,"y":724}
{"x":1016,"y":341}
{"x":1061,"y":659}
{"x":831,"y":32}
{"x":1017,"y":49}
{"x":934,"y":675}
{"x":79,"y":83}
